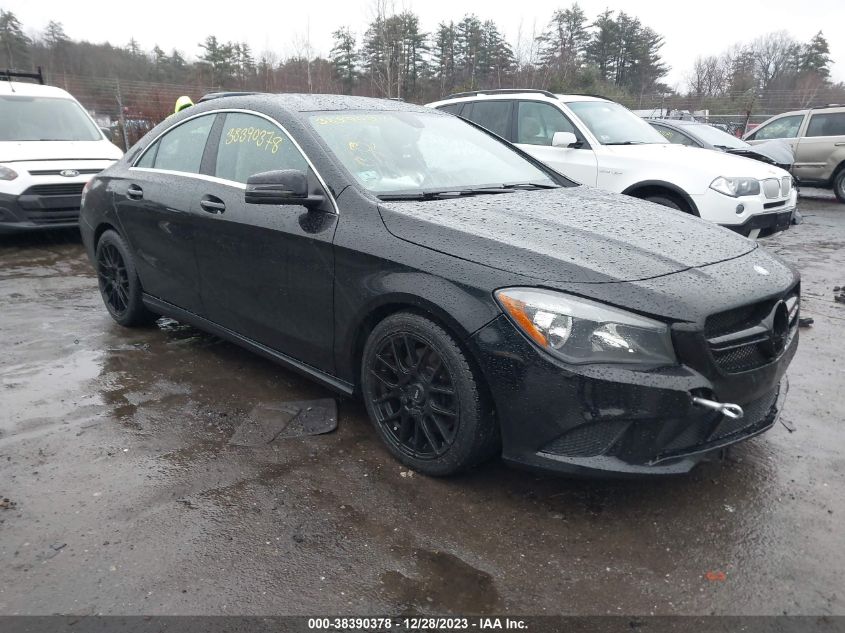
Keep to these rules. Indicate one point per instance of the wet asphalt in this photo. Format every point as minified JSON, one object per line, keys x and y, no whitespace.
{"x":126,"y":497}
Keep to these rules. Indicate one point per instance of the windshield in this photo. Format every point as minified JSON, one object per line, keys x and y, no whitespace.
{"x":714,"y":136}
{"x":44,"y":119}
{"x":414,"y":152}
{"x":613,"y":124}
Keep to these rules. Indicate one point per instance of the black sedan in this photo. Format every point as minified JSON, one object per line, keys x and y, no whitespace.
{"x":477,"y":301}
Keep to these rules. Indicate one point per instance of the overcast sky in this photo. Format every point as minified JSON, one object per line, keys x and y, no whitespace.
{"x":690,"y":28}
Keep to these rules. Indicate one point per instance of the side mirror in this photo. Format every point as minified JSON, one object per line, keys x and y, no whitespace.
{"x":564,"y":139}
{"x":282,"y":186}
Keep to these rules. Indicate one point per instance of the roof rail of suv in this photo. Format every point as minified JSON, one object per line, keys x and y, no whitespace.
{"x":588,"y":94}
{"x":500,"y":91}
{"x":9,"y":74}
{"x":220,"y":95}
{"x":829,"y":105}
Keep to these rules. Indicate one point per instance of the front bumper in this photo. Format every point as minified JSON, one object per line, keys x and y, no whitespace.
{"x":610,"y":420}
{"x":32,"y":212}
{"x":765,"y":224}
{"x":759,"y":216}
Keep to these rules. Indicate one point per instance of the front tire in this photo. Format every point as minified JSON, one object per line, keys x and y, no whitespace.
{"x":118,"y":280}
{"x":667,"y":201}
{"x":425,"y":400}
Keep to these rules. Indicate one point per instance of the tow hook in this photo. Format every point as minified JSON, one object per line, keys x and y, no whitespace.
{"x":727,"y":409}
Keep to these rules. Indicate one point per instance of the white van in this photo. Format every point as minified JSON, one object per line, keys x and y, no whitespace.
{"x":49,"y":148}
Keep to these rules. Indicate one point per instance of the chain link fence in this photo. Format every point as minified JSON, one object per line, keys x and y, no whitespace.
{"x":126,"y":109}
{"x":129,"y":109}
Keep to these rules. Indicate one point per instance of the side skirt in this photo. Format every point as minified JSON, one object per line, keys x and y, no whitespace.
{"x":168,"y":309}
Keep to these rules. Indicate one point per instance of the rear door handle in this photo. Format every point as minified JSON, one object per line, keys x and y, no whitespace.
{"x":212,"y":204}
{"x":135,"y":192}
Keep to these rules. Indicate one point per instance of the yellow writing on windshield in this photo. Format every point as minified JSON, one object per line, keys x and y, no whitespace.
{"x":266,"y":139}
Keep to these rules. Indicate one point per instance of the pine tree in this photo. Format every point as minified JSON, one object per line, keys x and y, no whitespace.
{"x":443,"y":56}
{"x":344,"y":58}
{"x":815,"y":56}
{"x":601,"y":49}
{"x":14,"y":44}
{"x":563,"y":45}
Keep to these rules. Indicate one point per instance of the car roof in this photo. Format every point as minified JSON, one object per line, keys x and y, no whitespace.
{"x":528,"y":95}
{"x":301,"y":102}
{"x":576,"y":97}
{"x":27,"y":89}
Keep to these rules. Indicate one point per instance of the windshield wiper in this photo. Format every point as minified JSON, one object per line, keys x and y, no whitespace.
{"x":443,"y":195}
{"x":627,"y":143}
{"x":530,"y":185}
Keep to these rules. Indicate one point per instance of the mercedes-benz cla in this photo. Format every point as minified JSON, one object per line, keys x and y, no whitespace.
{"x":479,"y":302}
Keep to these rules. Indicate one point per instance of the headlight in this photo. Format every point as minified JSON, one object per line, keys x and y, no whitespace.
{"x":736,"y":187}
{"x":7,"y":173}
{"x":579,"y":331}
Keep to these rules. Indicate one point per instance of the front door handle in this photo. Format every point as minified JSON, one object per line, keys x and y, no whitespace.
{"x":212,"y":204}
{"x":135,"y":192}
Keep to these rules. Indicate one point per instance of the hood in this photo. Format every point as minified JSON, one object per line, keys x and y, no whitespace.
{"x":20,"y":151}
{"x":709,"y":164}
{"x":776,"y":151}
{"x":571,"y":234}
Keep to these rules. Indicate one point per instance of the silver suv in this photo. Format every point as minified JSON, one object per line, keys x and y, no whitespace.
{"x":817,"y":137}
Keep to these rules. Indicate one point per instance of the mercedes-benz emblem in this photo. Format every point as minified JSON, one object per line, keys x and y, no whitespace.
{"x":69,"y":173}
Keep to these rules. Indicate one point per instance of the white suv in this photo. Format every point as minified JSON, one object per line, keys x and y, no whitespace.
{"x":49,"y":148}
{"x":601,"y":143}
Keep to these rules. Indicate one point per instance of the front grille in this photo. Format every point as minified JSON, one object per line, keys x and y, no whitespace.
{"x":741,"y":358}
{"x":771,"y":188}
{"x":735,"y":320}
{"x":58,"y":189}
{"x":744,"y":338}
{"x":588,"y":440}
{"x":753,"y":414}
{"x":58,"y":172}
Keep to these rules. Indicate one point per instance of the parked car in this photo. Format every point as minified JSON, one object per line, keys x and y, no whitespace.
{"x":601,"y":143}
{"x":49,"y":148}
{"x":478,"y":301}
{"x":696,"y":134}
{"x":817,"y":136}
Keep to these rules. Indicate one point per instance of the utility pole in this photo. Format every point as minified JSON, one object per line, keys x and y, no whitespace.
{"x":121,"y":117}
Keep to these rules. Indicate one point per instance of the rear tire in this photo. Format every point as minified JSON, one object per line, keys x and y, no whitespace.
{"x":839,"y":184}
{"x":118,"y":280}
{"x":426,"y":402}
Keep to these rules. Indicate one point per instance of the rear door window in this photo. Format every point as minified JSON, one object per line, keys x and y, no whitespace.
{"x":181,"y":148}
{"x":492,"y":115}
{"x":831,"y":124}
{"x":251,"y":145}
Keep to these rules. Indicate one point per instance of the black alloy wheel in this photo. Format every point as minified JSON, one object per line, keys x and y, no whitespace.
{"x":414,"y":396}
{"x":118,"y":280}
{"x":424,"y":398}
{"x":113,"y":278}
